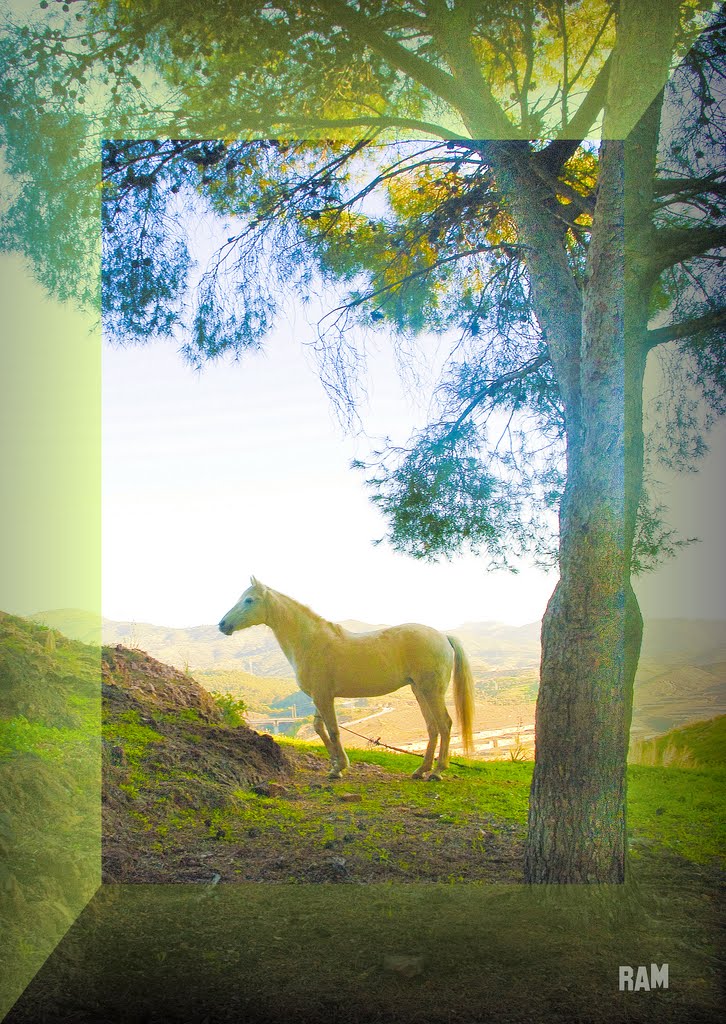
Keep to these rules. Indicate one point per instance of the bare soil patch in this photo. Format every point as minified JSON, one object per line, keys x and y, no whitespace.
{"x":369,"y":827}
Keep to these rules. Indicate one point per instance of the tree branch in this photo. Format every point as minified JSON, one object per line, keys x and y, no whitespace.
{"x":375,"y":121}
{"x":497,"y":385}
{"x":685,"y":329}
{"x":507,"y":247}
{"x":557,"y":153}
{"x":713,"y":183}
{"x":674,"y":245}
{"x":477,"y":107}
{"x":584,"y":204}
{"x":556,"y":297}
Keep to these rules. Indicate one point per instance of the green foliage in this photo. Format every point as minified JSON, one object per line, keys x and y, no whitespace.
{"x":414,"y":235}
{"x":438,"y":504}
{"x":141,"y":288}
{"x":426,"y":243}
{"x":655,"y":540}
{"x":233,"y":708}
{"x":441,"y":498}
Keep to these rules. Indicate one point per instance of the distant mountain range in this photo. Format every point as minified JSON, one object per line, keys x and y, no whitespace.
{"x":666,"y":642}
{"x":490,"y":645}
{"x":681,"y":676}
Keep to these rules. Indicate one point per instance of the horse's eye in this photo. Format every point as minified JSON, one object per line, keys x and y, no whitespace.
{"x":249,"y":600}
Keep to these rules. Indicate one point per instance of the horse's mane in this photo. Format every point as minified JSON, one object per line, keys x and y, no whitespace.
{"x":306,"y":610}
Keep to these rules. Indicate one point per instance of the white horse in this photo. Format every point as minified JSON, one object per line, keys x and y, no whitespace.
{"x":329,"y":662}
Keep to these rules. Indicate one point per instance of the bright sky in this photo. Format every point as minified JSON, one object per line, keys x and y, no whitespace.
{"x":242,"y":469}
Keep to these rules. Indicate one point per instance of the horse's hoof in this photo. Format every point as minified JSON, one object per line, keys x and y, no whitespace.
{"x":336,"y":774}
{"x":418,"y":774}
{"x":434,"y":777}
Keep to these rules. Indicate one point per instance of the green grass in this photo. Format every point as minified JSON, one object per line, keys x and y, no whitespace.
{"x":135,"y":738}
{"x":676,"y":790}
{"x":320,"y":953}
{"x":677,"y":809}
{"x":47,"y":742}
{"x":500,"y":788}
{"x":50,"y":715}
{"x":702,"y":744}
{"x":480,"y":795}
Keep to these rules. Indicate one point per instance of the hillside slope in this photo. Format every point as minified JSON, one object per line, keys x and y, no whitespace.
{"x":50,"y":713}
{"x":166,"y":748}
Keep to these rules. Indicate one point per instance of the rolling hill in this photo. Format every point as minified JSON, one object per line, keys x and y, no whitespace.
{"x":681,"y":676}
{"x":490,"y":645}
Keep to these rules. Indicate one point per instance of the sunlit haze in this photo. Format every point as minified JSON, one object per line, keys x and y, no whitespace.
{"x":243,"y":469}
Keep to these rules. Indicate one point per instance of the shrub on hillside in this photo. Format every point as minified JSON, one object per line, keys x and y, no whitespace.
{"x":233,"y":708}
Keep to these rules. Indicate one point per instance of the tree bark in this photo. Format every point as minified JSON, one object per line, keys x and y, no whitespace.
{"x":592,"y":628}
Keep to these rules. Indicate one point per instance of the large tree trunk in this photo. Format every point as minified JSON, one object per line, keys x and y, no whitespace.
{"x":590,"y":646}
{"x":592,"y":628}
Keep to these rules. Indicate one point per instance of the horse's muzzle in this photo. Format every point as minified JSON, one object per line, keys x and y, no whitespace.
{"x":224,"y":628}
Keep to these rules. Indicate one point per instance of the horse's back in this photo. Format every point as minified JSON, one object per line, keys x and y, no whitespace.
{"x":386,"y":659}
{"x":413,"y":636}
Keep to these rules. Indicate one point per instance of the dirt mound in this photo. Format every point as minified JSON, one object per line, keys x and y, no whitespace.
{"x":166,"y":746}
{"x":153,"y":684}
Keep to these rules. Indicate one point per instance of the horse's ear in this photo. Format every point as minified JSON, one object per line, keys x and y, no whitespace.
{"x":254,"y":581}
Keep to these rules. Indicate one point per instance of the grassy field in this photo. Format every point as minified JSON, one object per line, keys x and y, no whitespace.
{"x":189,"y":823}
{"x":278,"y":895}
{"x":172,"y":817}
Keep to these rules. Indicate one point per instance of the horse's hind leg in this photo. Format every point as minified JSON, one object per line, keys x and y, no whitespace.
{"x":338,"y":756}
{"x":437,"y":704}
{"x":433,"y":732}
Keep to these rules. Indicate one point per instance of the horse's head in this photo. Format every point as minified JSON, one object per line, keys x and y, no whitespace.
{"x":250,"y":610}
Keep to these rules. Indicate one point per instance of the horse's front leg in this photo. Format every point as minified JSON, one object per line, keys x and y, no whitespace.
{"x":319,"y":726}
{"x":338,"y":756}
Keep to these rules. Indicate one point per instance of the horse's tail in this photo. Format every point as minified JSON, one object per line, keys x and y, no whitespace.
{"x":463,"y":694}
